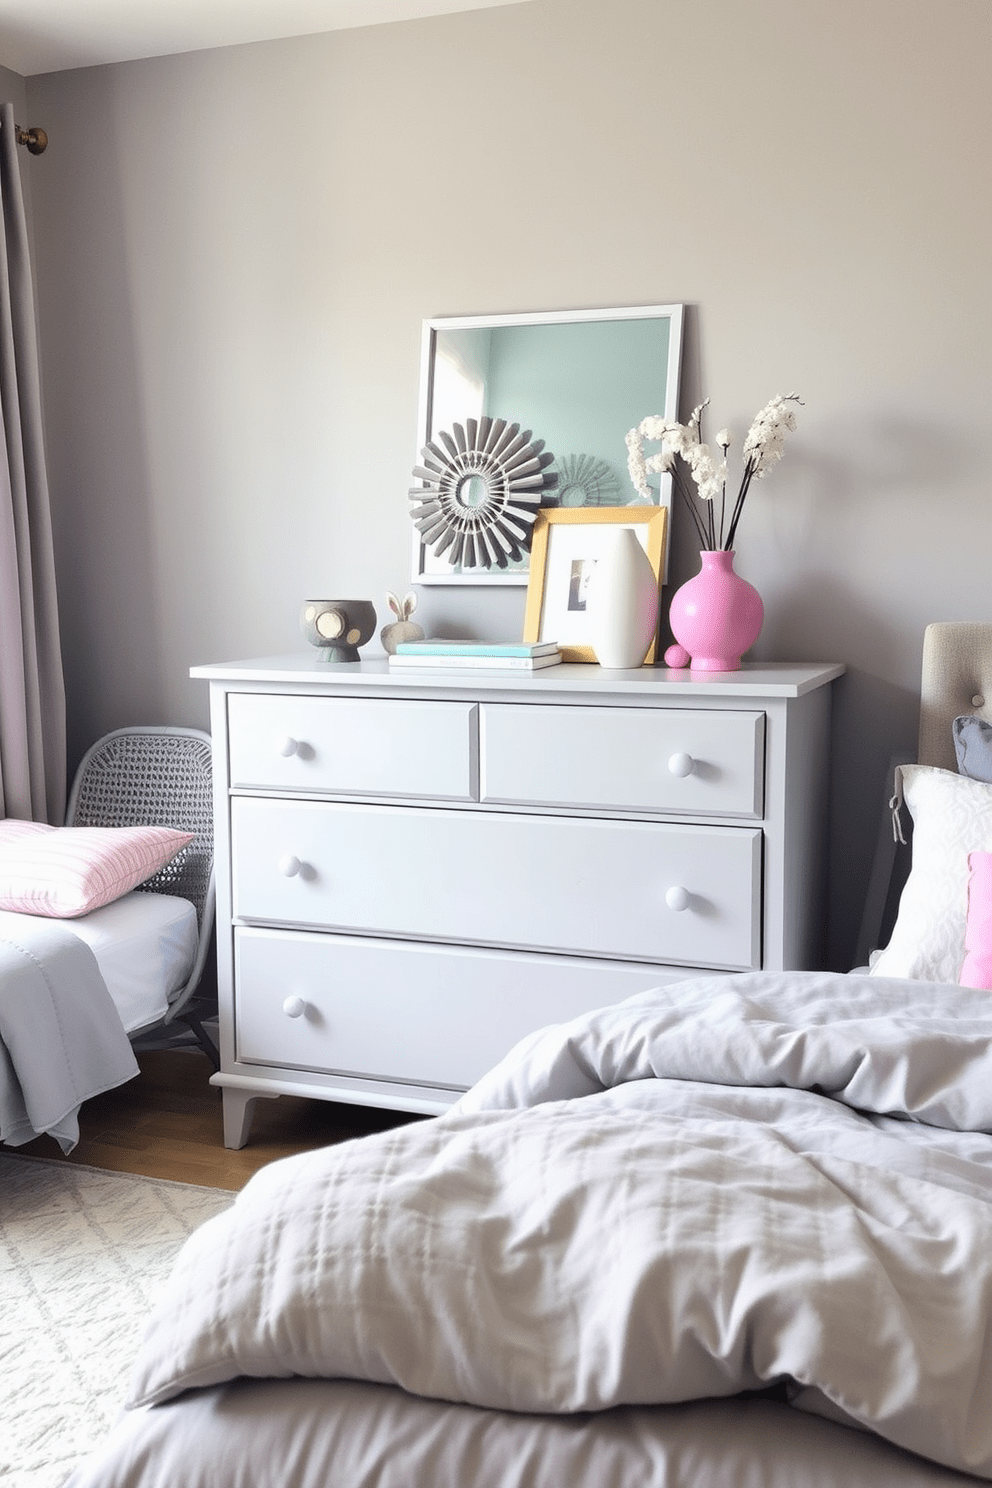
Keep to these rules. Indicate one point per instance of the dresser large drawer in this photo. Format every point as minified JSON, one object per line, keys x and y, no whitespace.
{"x":390,"y":1010}
{"x":637,"y":890}
{"x":353,"y":746}
{"x":666,"y":760}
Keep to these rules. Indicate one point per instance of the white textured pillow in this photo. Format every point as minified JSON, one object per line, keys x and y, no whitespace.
{"x":63,"y":872}
{"x":952,"y":816}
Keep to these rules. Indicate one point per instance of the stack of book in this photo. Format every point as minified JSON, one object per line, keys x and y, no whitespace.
{"x":520,"y":655}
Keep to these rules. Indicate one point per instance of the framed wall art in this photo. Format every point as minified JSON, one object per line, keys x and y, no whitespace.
{"x":567,"y":543}
{"x":526,"y":412}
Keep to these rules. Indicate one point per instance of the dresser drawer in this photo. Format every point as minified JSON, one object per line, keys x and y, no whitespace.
{"x":389,"y":1010}
{"x":636,"y":890}
{"x":665,"y":760}
{"x":353,"y":746}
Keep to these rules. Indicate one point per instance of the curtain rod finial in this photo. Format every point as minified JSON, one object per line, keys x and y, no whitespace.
{"x":36,"y":140}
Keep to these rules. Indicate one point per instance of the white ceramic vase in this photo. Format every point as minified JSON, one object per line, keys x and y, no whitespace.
{"x":622,"y":601}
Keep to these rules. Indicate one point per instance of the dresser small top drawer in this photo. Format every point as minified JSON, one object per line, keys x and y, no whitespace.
{"x":659,"y":760}
{"x":353,"y":746}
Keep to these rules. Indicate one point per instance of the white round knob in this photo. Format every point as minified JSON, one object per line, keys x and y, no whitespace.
{"x":290,"y":865}
{"x":681,"y":765}
{"x":294,"y":1007}
{"x":677,"y":897}
{"x":287,"y":746}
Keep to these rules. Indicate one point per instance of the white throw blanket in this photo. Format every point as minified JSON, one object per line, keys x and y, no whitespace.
{"x":61,"y":1037}
{"x":709,"y":1188}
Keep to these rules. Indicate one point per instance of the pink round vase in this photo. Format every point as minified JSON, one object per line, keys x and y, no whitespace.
{"x":714,"y":617}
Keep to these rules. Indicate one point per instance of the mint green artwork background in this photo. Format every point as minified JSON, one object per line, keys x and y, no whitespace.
{"x":580,"y":386}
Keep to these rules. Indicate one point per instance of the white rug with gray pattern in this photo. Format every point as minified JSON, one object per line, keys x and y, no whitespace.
{"x":82,"y":1256}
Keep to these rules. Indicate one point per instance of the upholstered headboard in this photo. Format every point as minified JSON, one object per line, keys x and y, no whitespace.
{"x":956,"y":679}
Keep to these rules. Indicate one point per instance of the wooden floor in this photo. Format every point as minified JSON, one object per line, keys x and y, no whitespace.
{"x":166,"y":1123}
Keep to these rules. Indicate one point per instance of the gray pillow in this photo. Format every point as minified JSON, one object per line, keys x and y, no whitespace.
{"x":973,"y":747}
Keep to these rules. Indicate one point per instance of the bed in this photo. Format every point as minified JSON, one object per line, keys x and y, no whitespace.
{"x":71,"y":994}
{"x":105,"y":925}
{"x":732,"y":1231}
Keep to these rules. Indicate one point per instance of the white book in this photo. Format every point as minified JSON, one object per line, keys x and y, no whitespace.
{"x":471,"y":663}
{"x":476,"y":648}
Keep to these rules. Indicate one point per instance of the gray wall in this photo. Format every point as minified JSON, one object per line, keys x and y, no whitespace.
{"x":236,"y":249}
{"x":12,"y":90}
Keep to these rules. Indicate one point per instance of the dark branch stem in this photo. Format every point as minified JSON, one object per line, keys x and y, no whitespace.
{"x":749,"y":470}
{"x":693,"y":510}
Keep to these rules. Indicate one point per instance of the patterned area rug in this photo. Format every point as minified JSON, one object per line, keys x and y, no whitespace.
{"x":82,"y":1256}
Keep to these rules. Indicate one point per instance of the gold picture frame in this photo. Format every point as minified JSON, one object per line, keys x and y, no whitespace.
{"x":563,"y":553}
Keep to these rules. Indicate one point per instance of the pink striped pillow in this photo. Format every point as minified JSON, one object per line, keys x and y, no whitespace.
{"x":62,"y":872}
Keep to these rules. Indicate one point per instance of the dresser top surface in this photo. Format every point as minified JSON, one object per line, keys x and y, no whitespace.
{"x":306,"y":669}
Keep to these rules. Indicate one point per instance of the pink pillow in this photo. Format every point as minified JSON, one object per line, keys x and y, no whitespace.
{"x":977,"y":968}
{"x":63,"y":872}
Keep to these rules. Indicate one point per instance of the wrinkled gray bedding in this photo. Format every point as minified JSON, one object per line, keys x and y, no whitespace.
{"x":768,"y":1181}
{"x":61,"y":1037}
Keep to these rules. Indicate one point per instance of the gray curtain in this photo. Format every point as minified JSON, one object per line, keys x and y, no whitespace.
{"x":32,"y":695}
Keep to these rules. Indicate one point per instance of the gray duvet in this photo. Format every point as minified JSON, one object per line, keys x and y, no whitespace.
{"x":723,"y":1186}
{"x":61,"y":1037}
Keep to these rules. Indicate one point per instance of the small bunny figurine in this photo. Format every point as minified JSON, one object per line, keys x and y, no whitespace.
{"x":403,"y":629}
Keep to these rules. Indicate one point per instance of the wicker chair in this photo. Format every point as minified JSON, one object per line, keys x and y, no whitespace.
{"x":159,"y":777}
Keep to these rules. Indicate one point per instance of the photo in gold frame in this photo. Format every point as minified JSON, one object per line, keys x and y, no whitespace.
{"x":565,"y":547}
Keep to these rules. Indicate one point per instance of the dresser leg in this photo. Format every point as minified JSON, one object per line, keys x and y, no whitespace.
{"x":239,"y":1109}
